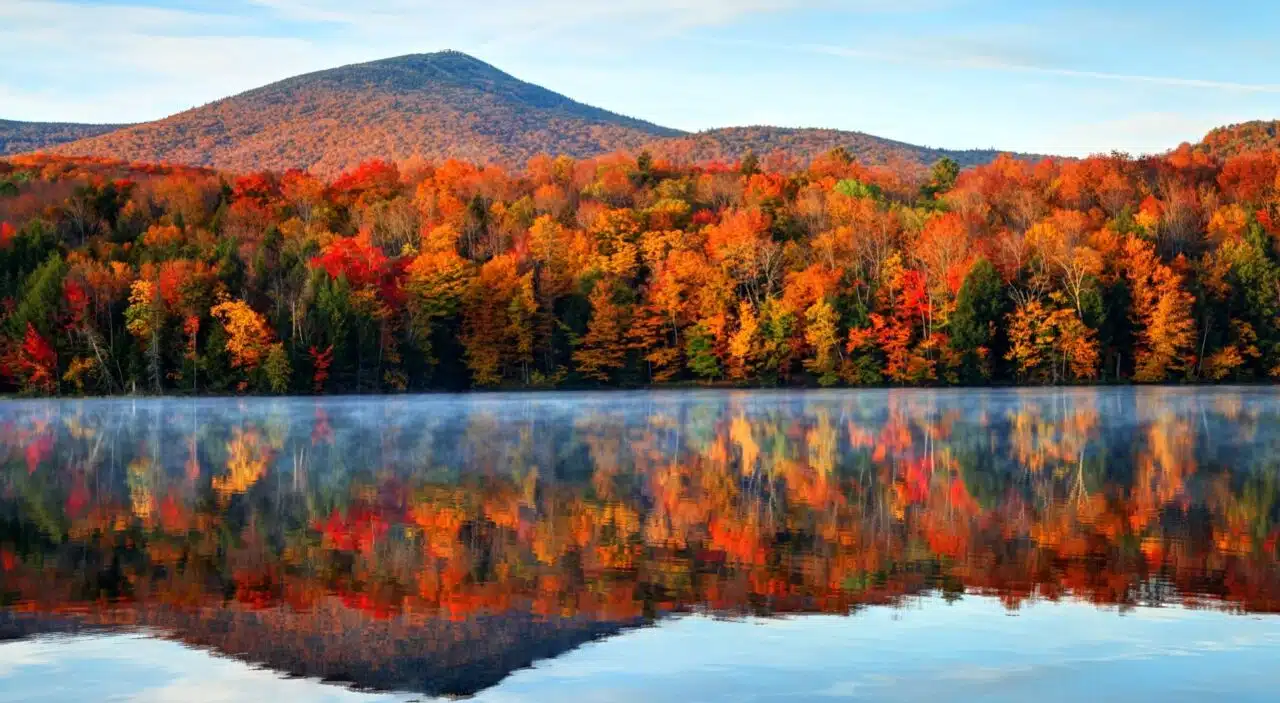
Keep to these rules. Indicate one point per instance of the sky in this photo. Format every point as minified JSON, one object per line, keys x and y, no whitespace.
{"x":1069,"y":77}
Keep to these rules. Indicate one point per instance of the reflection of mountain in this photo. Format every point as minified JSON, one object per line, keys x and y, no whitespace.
{"x":341,"y":644}
{"x":437,"y":544}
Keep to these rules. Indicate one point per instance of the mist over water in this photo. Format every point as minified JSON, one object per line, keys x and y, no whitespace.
{"x":704,"y":545}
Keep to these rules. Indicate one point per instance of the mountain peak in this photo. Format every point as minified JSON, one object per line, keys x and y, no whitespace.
{"x":409,"y":72}
{"x":443,"y":56}
{"x":443,"y":61}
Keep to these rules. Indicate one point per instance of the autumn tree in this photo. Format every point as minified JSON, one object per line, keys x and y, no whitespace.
{"x":1050,"y":344}
{"x":35,"y":363}
{"x":603,"y":351}
{"x":251,"y":344}
{"x":899,"y":332}
{"x":822,"y":334}
{"x":146,"y":320}
{"x":1161,"y":309}
{"x":497,"y":331}
{"x":436,"y":282}
{"x":1064,"y":256}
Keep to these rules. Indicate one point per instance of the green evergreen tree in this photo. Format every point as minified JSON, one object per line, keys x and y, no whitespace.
{"x":979,"y":310}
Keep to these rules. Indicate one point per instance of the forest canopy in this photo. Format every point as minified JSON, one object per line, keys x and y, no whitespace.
{"x":629,"y":270}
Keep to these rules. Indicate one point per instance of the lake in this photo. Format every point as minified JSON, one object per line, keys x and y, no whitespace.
{"x":1005,"y":545}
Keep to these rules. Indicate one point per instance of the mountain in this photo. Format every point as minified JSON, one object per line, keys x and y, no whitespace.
{"x":439,"y":106}
{"x":1233,"y":139}
{"x":19,"y":137}
{"x":435,"y":106}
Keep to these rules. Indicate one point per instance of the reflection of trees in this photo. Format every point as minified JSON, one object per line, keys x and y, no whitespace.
{"x":611,"y":510}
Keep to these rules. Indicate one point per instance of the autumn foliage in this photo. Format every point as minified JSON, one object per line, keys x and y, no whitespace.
{"x":36,"y":363}
{"x":637,"y":270}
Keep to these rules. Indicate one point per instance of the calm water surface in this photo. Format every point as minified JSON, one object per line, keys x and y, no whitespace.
{"x":882,"y":545}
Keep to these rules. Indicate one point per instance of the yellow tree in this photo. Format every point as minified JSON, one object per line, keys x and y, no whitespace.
{"x":603,"y":349}
{"x":682,"y":285}
{"x":497,"y":321}
{"x":1049,"y":344}
{"x":744,"y":343}
{"x":145,"y":320}
{"x":250,"y":343}
{"x":435,"y":283}
{"x":1162,"y":310}
{"x":1062,"y":253}
{"x":822,"y":334}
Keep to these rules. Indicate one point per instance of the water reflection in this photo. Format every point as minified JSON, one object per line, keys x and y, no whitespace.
{"x":437,"y":544}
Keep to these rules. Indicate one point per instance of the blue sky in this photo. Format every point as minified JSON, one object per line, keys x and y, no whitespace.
{"x":1050,"y":76}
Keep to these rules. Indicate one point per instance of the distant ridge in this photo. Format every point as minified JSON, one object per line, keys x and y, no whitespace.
{"x":18,"y":137}
{"x":804,"y":144}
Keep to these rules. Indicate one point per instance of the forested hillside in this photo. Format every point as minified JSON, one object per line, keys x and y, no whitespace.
{"x":629,"y":271}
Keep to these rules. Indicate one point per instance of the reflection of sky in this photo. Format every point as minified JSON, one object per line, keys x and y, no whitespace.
{"x":140,"y":669}
{"x":971,"y":650}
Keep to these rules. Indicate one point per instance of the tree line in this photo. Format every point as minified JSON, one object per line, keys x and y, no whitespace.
{"x":630,"y":270}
